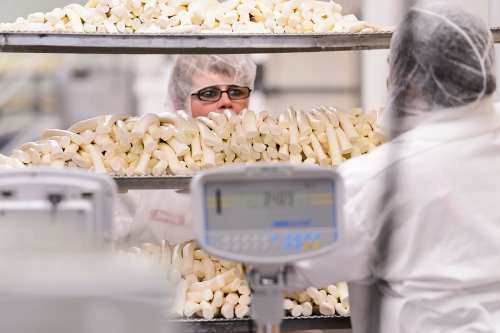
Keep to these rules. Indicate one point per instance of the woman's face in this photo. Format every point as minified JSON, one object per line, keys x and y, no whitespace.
{"x":203,"y":108}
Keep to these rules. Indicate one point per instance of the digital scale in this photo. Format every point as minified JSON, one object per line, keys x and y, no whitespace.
{"x":268,"y":216}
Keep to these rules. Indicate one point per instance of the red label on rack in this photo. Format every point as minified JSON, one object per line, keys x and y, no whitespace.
{"x":167,"y":217}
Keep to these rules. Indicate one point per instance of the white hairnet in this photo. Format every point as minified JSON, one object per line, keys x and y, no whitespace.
{"x":442,"y":57}
{"x":191,"y":73}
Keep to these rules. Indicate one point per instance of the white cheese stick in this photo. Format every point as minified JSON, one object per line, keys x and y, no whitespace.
{"x":187,"y":258}
{"x":245,"y":300}
{"x":34,"y":156}
{"x":294,"y":145}
{"x":239,"y":134}
{"x":191,"y":164}
{"x":320,"y":154}
{"x":218,"y":299}
{"x":196,"y":152}
{"x":232,"y":298}
{"x":219,"y":118}
{"x":303,"y":123}
{"x":21,"y":156}
{"x":296,"y":311}
{"x":198,"y":296}
{"x":249,"y":124}
{"x":105,"y":123}
{"x":343,"y":294}
{"x":160,"y":168}
{"x":208,"y":159}
{"x":209,"y":138}
{"x":307,"y":309}
{"x":233,"y":286}
{"x":200,"y":254}
{"x":143,"y":123}
{"x":260,"y":117}
{"x":347,"y":125}
{"x":244,"y":289}
{"x":332,"y":300}
{"x":316,"y":121}
{"x":219,"y":130}
{"x":193,"y":128}
{"x":284,"y":121}
{"x":55,"y":132}
{"x":241,"y":310}
{"x":140,"y":169}
{"x":166,"y":132}
{"x":326,"y":309}
{"x":207,"y":310}
{"x":96,"y":158}
{"x":232,"y":117}
{"x":283,"y":153}
{"x":208,"y":267}
{"x":149,"y":143}
{"x":177,"y":308}
{"x":173,"y":161}
{"x":88,"y":124}
{"x":190,"y":308}
{"x":344,"y":312}
{"x":288,"y":304}
{"x":274,"y":128}
{"x":296,"y":158}
{"x":333,"y":290}
{"x":180,"y":148}
{"x":179,"y":122}
{"x":227,"y":311}
{"x":344,"y":143}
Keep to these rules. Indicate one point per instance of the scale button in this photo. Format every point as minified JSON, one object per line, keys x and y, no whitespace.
{"x":307,"y":244}
{"x":298,"y":245}
{"x":298,"y":236}
{"x":316,"y":236}
{"x":307,"y":236}
{"x":317,"y":244}
{"x":288,"y":246}
{"x":288,"y":237}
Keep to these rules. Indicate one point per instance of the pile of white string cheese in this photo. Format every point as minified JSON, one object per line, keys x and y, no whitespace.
{"x":177,"y":144}
{"x":194,"y":16}
{"x":207,"y":287}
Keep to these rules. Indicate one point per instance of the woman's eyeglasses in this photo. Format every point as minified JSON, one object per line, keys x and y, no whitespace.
{"x":212,"y":94}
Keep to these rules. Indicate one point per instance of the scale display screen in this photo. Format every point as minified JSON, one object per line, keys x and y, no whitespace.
{"x":273,"y":216}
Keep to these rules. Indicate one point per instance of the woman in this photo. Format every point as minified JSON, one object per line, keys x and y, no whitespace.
{"x":198,"y":84}
{"x":422,"y":223}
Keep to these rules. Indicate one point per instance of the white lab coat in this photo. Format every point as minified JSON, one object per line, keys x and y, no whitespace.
{"x":152,"y":216}
{"x":441,"y":271}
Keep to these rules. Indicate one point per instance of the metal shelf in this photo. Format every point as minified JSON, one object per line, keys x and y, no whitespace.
{"x":246,"y":325}
{"x":34,"y":42}
{"x":152,"y":183}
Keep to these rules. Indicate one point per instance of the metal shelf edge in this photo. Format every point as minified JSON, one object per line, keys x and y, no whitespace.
{"x":246,"y":325}
{"x":152,"y":183}
{"x":36,"y":42}
{"x":189,"y":43}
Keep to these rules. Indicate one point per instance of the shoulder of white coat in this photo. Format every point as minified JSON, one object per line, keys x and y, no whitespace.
{"x":359,"y":170}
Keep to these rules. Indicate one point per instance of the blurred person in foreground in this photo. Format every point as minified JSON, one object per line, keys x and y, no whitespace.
{"x":198,"y":84}
{"x":422,"y":219}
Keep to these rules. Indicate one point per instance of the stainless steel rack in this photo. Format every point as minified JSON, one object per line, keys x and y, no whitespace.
{"x":152,"y":183}
{"x":246,"y":325}
{"x":36,"y":42}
